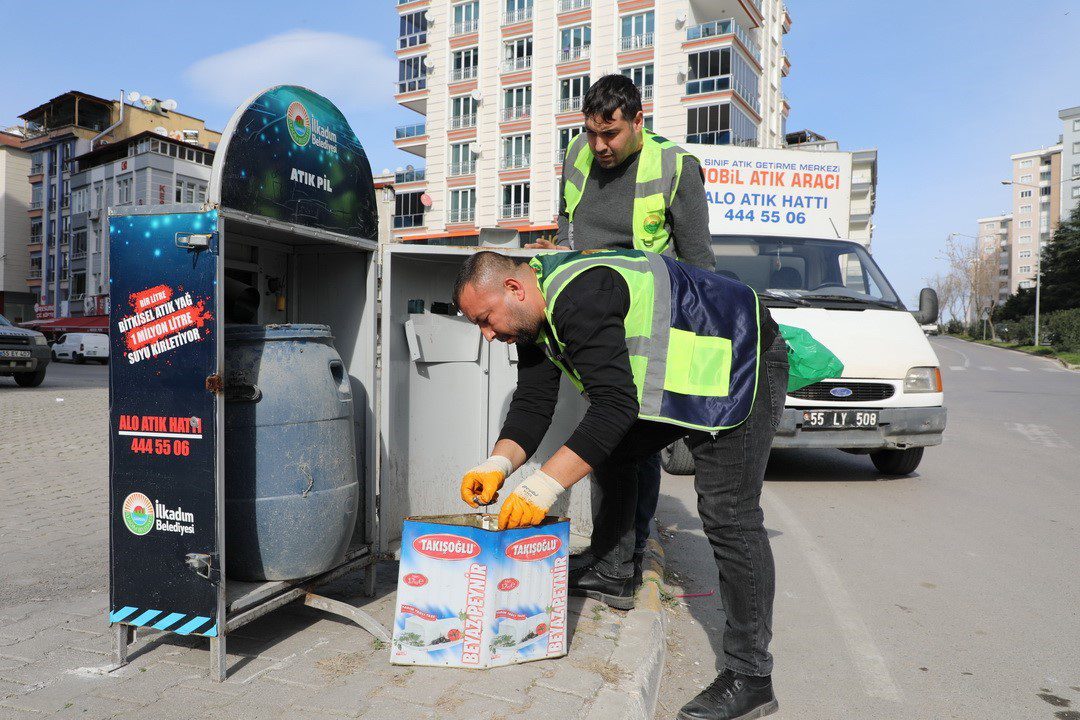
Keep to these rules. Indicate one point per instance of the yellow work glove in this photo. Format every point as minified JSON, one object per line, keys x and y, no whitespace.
{"x":529,"y":503}
{"x":484,"y":480}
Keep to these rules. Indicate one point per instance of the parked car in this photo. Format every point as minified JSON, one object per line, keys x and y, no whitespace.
{"x":931,"y":329}
{"x":80,"y":347}
{"x":24,"y":354}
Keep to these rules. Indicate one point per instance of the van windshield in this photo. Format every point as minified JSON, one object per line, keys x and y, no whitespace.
{"x":805,"y":271}
{"x":4,"y":321}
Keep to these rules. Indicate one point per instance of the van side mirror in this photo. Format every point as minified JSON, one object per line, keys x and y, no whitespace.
{"x":928,"y":307}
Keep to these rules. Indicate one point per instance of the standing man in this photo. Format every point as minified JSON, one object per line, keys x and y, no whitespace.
{"x":625,"y":187}
{"x":663,"y":350}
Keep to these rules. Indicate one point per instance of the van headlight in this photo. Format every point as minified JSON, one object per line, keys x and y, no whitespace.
{"x":39,"y":340}
{"x":923,"y":380}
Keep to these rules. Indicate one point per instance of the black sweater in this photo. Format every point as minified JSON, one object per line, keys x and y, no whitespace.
{"x":589,"y":315}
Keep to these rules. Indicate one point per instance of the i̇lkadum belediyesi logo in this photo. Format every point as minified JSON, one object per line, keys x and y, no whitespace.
{"x":141,"y":515}
{"x":299,"y":122}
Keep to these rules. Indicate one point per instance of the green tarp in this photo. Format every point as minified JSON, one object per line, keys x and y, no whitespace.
{"x":809,"y":360}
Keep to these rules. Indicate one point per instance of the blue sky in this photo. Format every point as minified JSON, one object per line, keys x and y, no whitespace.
{"x":945,"y":90}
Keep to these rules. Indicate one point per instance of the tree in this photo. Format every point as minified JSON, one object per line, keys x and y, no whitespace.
{"x":1061,"y":267}
{"x":972,"y":277}
{"x":1019,"y":305}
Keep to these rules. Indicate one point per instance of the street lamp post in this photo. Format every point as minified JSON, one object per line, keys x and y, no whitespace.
{"x":1038,"y":258}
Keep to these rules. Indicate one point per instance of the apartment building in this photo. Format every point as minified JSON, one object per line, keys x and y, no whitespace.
{"x":1036,"y":211}
{"x":864,"y":175}
{"x":1070,"y":160}
{"x":56,"y":132}
{"x":497,"y":86}
{"x":16,"y":302}
{"x":994,"y":240}
{"x":147,"y":169}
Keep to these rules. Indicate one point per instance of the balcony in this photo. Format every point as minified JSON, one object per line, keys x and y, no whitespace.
{"x":458,"y":169}
{"x":581,"y":52}
{"x":403,"y":132}
{"x":565,"y":105}
{"x":720,"y":83}
{"x":410,"y":176}
{"x":636,"y":42}
{"x":465,"y":27}
{"x":37,"y":204}
{"x":566,"y":6}
{"x":514,"y":211}
{"x":408,"y":86}
{"x":515,"y":64}
{"x":714,"y":137}
{"x":646,"y":93}
{"x":78,"y":254}
{"x":516,"y":112}
{"x":719,"y":28}
{"x":408,"y":221}
{"x":37,"y":169}
{"x":34,"y":239}
{"x":560,"y":156}
{"x":517,"y":16}
{"x":34,"y":274}
{"x":466,"y":73}
{"x":515,"y":162}
{"x":412,"y":40}
{"x":76,"y":297}
{"x":458,"y":122}
{"x":462,"y":215}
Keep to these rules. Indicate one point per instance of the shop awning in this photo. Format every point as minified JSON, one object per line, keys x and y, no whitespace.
{"x":89,"y":323}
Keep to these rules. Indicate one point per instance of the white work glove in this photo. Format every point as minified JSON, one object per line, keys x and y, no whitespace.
{"x":529,"y":503}
{"x":484,"y":480}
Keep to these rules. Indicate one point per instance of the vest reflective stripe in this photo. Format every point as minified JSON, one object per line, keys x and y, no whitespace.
{"x":667,"y":362}
{"x":658,"y":175}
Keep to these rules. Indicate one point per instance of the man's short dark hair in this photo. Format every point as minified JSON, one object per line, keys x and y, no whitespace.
{"x":610,"y":93}
{"x":480,"y":269}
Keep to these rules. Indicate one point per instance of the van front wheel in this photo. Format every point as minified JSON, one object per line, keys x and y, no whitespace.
{"x":897,"y":462}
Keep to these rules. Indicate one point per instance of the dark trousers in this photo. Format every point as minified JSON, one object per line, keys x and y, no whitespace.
{"x":648,"y":474}
{"x":730,"y":468}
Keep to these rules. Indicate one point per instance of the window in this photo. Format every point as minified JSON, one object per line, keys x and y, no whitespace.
{"x":1026,"y":284}
{"x":637,"y":31}
{"x":189,"y":191}
{"x":1044,"y":192}
{"x":462,"y":205}
{"x":517,"y":102}
{"x":1025,"y":178}
{"x":412,"y":75}
{"x":1025,"y":193}
{"x":466,"y":18}
{"x":1024,"y":268}
{"x":1076,"y":191}
{"x":1075,"y":170}
{"x":78,"y":243}
{"x":461,"y":159}
{"x":1025,"y":208}
{"x":123,"y":191}
{"x":575,"y":43}
{"x":710,"y":71}
{"x":572,"y":92}
{"x":709,"y":124}
{"x":517,"y":11}
{"x":1076,"y":148}
{"x":1025,"y":224}
{"x":35,"y":230}
{"x":517,"y":54}
{"x":412,"y":30}
{"x":98,"y":189}
{"x":642,"y":75}
{"x":78,"y":286}
{"x":566,"y":136}
{"x":37,"y":162}
{"x":515,"y":200}
{"x":1076,"y":125}
{"x":1025,"y":239}
{"x":408,"y":210}
{"x":1025,"y":254}
{"x":462,"y":111}
{"x":36,"y":196}
{"x":465,"y":64}
{"x":1026,"y":163}
{"x":516,"y":151}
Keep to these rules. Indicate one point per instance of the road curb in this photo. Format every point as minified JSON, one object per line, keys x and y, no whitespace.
{"x":640,"y":653}
{"x":1066,"y":365}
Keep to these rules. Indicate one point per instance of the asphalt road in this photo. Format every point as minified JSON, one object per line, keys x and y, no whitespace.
{"x":61,"y":375}
{"x":952,"y":593}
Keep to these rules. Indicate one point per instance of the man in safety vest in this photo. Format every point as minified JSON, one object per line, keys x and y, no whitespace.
{"x":626,"y":187}
{"x":662,"y":350}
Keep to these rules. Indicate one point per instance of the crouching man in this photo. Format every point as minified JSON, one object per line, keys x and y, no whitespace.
{"x":662,"y":350}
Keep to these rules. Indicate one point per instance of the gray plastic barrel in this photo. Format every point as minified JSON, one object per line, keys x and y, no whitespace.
{"x":291,"y":490}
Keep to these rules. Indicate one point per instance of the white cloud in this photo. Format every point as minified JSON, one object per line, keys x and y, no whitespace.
{"x":355,"y":73}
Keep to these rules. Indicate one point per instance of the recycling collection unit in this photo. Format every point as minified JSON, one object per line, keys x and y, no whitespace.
{"x":241,"y":379}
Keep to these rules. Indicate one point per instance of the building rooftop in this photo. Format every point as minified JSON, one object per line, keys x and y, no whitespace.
{"x":1037,"y":153}
{"x":11,"y":140}
{"x":115,"y":150}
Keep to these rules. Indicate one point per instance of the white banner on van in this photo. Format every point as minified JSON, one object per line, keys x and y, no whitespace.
{"x":791,"y":193}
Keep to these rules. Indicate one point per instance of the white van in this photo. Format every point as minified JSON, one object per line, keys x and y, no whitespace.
{"x":80,"y":347}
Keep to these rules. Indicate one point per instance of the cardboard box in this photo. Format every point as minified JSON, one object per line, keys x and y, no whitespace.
{"x":472,"y":596}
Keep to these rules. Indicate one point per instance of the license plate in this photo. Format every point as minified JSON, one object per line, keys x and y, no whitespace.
{"x":15,"y":353}
{"x":840,"y":419}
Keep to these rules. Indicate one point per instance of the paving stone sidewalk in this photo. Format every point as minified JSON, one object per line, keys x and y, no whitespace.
{"x":56,"y":648}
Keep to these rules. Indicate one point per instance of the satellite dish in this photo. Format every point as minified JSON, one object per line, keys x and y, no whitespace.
{"x":428,"y":18}
{"x":474,"y":147}
{"x":400,"y":169}
{"x":477,"y":95}
{"x":425,"y":200}
{"x":680,"y":18}
{"x":169,"y":104}
{"x":386,"y":171}
{"x":409,"y":168}
{"x":161,"y":131}
{"x":133,"y":97}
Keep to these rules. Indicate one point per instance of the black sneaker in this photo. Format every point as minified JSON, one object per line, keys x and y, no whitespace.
{"x":732,"y":696}
{"x":615,"y":592}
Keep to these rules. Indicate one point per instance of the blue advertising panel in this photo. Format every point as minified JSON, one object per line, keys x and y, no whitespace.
{"x":290,"y":155}
{"x":163,"y":335}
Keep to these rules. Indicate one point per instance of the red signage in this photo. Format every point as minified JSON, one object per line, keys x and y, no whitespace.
{"x":508,"y":584}
{"x":534,"y":548}
{"x":446,"y":547}
{"x":414,"y":580}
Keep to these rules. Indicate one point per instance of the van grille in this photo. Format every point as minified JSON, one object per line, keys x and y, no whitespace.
{"x":860,"y":392}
